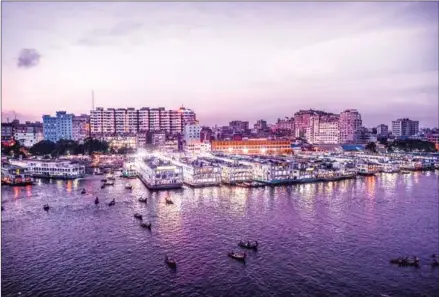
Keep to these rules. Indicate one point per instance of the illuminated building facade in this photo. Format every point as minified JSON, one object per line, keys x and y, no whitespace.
{"x":252,"y":146}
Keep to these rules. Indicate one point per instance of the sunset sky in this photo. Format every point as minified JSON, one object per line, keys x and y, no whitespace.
{"x":224,"y":60}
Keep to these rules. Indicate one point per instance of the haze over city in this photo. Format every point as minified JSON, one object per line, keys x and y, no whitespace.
{"x":224,"y":60}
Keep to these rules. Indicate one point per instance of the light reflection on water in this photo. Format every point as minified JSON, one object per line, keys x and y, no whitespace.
{"x":353,"y":226}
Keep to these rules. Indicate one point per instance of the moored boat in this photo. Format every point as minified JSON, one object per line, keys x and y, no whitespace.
{"x":143,"y":200}
{"x":169,"y":201}
{"x":138,"y":216}
{"x":83,"y":191}
{"x":128,"y":187}
{"x":46,"y":207}
{"x":112,"y":203}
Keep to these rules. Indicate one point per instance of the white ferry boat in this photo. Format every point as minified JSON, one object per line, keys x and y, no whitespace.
{"x":129,"y":170}
{"x":16,"y":176}
{"x":52,"y":169}
{"x":367,"y":169}
{"x":201,"y":173}
{"x":158,"y":174}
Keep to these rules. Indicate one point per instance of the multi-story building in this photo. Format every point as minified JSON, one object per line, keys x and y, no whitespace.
{"x":29,"y":133}
{"x":192,"y":133}
{"x":120,"y":121}
{"x":285,"y":124}
{"x":382,"y":130}
{"x":96,"y":121}
{"x":144,"y":119}
{"x":328,"y":131}
{"x":58,"y":127}
{"x":350,"y":123}
{"x":252,"y":146}
{"x":132,"y":121}
{"x":239,"y":126}
{"x":7,"y":132}
{"x":188,"y":116}
{"x":81,"y":127}
{"x":305,"y":122}
{"x":109,"y":121}
{"x":206,"y":134}
{"x":154,"y":118}
{"x":261,"y":125}
{"x":176,"y":121}
{"x":405,"y":127}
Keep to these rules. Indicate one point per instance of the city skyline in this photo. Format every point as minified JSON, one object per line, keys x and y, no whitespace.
{"x":226,"y":61}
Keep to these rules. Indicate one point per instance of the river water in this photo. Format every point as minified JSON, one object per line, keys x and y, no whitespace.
{"x":322,"y":239}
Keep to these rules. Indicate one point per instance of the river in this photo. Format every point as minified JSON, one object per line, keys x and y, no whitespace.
{"x":322,"y":239}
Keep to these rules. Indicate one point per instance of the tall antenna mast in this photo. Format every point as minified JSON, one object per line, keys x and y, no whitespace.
{"x":92,"y":100}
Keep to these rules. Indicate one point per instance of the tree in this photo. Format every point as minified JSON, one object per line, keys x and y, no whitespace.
{"x":92,"y":145}
{"x":65,"y":147}
{"x":371,"y":147}
{"x":44,"y":147}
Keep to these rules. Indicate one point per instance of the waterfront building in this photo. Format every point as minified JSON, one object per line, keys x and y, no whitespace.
{"x":252,"y":146}
{"x":51,"y":169}
{"x":404,"y":127}
{"x":350,"y":123}
{"x":129,"y":170}
{"x":58,"y":127}
{"x":80,"y":127}
{"x":157,"y":173}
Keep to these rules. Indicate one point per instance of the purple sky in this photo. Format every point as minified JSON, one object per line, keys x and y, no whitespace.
{"x":224,"y":60}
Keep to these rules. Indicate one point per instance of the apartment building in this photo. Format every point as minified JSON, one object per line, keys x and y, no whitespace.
{"x":405,"y":127}
{"x":58,"y":127}
{"x":350,"y":124}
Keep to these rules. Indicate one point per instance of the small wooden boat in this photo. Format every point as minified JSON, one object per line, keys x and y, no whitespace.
{"x":83,"y":192}
{"x":103,"y":180}
{"x":138,"y":216}
{"x":237,"y":256}
{"x":3,"y":208}
{"x":143,"y":200}
{"x":97,"y":201}
{"x":248,"y":245}
{"x":405,"y":261}
{"x":103,"y":186}
{"x":169,"y":201}
{"x":112,"y":203}
{"x":46,"y":207}
{"x":146,"y":225}
{"x":128,"y":187}
{"x":110,"y":177}
{"x":405,"y":172}
{"x":170,"y":262}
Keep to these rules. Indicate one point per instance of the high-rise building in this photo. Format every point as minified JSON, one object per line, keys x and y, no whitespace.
{"x":58,"y":127}
{"x":405,"y":127}
{"x":131,"y":121}
{"x":350,"y":123}
{"x":188,"y":116}
{"x":81,"y":127}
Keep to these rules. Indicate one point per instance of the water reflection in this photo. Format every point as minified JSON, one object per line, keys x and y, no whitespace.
{"x":17,"y":191}
{"x":69,"y":186}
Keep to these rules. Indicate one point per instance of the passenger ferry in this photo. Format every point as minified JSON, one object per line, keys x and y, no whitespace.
{"x":367,"y":169}
{"x":129,"y":170}
{"x":159,"y":174}
{"x":335,"y":175}
{"x":273,"y":171}
{"x":233,"y":173}
{"x":51,"y":169}
{"x":390,"y":168}
{"x":200,"y":173}
{"x":16,"y":176}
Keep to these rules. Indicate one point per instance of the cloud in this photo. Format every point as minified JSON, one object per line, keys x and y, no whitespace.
{"x":106,"y":36}
{"x":28,"y":58}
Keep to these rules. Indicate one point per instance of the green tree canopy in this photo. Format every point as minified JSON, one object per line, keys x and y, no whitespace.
{"x":44,"y":147}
